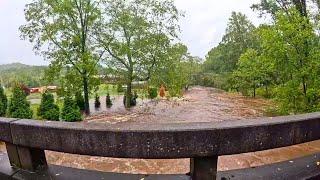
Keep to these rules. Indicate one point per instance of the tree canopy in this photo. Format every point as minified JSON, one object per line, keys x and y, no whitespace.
{"x":137,"y":34}
{"x":279,"y":58}
{"x":237,"y":39}
{"x":63,"y":32}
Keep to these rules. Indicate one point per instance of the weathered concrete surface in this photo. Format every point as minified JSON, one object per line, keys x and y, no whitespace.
{"x":5,"y":170}
{"x":166,"y":141}
{"x":296,"y":169}
{"x":5,"y":129}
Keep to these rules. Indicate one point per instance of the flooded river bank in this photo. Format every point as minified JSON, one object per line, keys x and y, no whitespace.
{"x":198,"y":105}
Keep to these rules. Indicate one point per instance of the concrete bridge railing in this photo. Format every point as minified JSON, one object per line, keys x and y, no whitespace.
{"x":26,"y":140}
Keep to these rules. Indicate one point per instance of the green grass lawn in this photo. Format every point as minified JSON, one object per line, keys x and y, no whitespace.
{"x":34,"y":108}
{"x":34,"y":96}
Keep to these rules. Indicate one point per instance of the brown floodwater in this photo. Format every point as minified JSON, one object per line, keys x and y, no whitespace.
{"x":199,"y":104}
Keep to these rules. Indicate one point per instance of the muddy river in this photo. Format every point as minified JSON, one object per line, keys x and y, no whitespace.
{"x":199,"y":104}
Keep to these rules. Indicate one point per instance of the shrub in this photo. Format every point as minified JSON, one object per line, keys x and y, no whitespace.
{"x":175,"y":91}
{"x":70,"y":111}
{"x":19,"y":107}
{"x":3,"y":102}
{"x":97,"y":102}
{"x":80,"y":101}
{"x":120,"y":88}
{"x":153,"y":93}
{"x":133,"y":101}
{"x":48,"y":109}
{"x":108,"y":101}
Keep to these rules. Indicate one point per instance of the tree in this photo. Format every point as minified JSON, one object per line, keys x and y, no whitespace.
{"x":80,"y":101}
{"x":108,"y":101}
{"x":272,"y":7}
{"x":247,"y":75}
{"x":97,"y":102}
{"x":136,"y":35}
{"x":48,"y":109}
{"x":153,"y":92}
{"x":286,"y":59}
{"x":237,"y":39}
{"x":63,"y":32}
{"x":254,"y":71}
{"x":3,"y":102}
{"x":70,"y":111}
{"x":177,"y":71}
{"x":291,"y":43}
{"x":19,"y":107}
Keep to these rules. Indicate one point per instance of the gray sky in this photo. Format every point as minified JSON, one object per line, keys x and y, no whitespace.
{"x":202,"y":27}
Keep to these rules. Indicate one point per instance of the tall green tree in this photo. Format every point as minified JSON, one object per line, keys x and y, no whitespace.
{"x":177,"y":71}
{"x":254,"y":71}
{"x":291,"y":43}
{"x":80,"y":101}
{"x":63,"y":31}
{"x":237,"y":39}
{"x":136,"y":34}
{"x":19,"y":107}
{"x":272,"y":7}
{"x":48,"y":109}
{"x":70,"y":111}
{"x":3,"y":102}
{"x":248,"y":72}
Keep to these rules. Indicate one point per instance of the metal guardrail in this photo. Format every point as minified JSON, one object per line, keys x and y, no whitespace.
{"x":26,"y":140}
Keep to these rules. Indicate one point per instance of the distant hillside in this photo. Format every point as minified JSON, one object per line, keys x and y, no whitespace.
{"x":16,"y":66}
{"x":16,"y":72}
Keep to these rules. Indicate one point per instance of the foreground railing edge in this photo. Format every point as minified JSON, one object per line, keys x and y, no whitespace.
{"x":31,"y":158}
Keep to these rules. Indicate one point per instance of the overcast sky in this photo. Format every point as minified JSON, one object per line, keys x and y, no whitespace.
{"x":202,"y":27}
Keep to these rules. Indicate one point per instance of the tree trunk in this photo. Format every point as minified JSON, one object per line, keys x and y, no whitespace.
{"x":86,"y":95}
{"x":128,"y":94}
{"x":267,"y":91}
{"x":301,"y":6}
{"x":129,"y":88}
{"x":304,"y":87}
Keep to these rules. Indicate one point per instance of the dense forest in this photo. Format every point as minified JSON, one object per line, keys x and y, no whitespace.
{"x":278,"y":59}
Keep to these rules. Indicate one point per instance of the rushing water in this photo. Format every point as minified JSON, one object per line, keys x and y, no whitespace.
{"x":198,"y":105}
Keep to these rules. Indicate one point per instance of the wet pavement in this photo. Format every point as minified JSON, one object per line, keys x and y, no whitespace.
{"x":198,"y":105}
